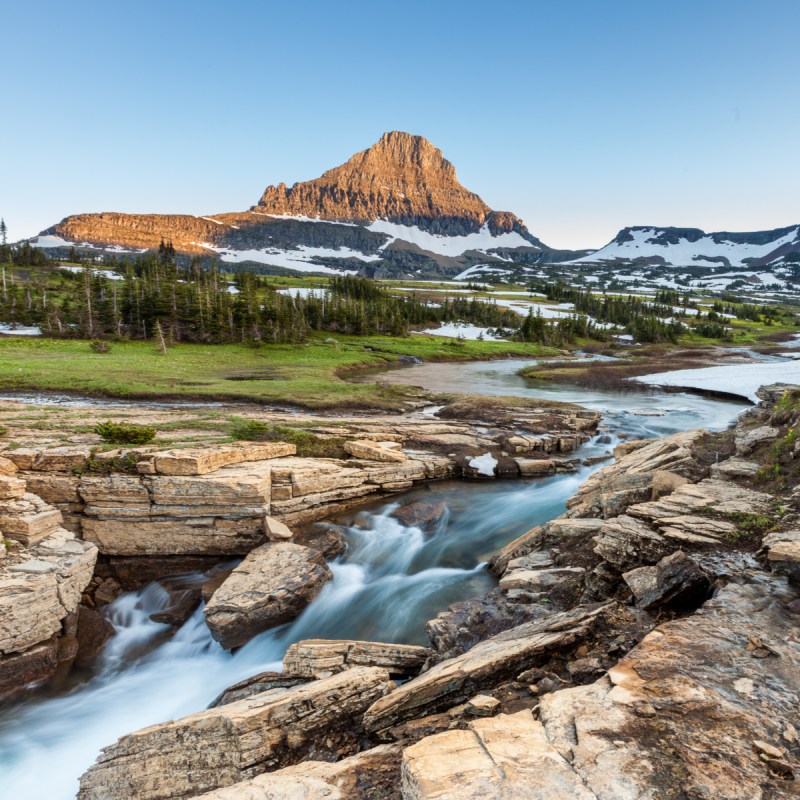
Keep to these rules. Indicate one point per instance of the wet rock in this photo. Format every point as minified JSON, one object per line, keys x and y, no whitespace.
{"x":214,"y":581}
{"x":328,"y":539}
{"x":263,"y":682}
{"x":676,"y":582}
{"x":484,"y":666}
{"x":508,"y":756}
{"x":19,"y":670}
{"x":182,"y":603}
{"x":270,"y":587}
{"x":237,"y":741}
{"x":107,"y":591}
{"x":319,"y":658}
{"x":420,"y":514}
{"x":94,"y":630}
{"x":464,"y":624}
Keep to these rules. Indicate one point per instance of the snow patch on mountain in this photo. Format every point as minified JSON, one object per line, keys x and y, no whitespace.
{"x":482,"y":240}
{"x":644,"y":243}
{"x":47,"y":241}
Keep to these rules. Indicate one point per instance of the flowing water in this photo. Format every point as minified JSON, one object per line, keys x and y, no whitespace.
{"x":390,"y":580}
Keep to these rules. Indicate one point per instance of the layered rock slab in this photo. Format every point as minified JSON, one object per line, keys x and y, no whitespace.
{"x":319,"y":658}
{"x":237,"y":741}
{"x":485,"y":665}
{"x":270,"y":587}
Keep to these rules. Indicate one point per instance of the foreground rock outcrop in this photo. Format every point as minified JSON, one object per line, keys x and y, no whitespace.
{"x":237,"y":741}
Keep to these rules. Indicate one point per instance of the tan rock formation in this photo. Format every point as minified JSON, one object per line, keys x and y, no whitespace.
{"x":507,"y":757}
{"x":270,"y":587}
{"x":237,"y":741}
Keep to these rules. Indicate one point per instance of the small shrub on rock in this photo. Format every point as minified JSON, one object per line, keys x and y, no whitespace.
{"x":308,"y":445}
{"x":125,"y":432}
{"x":99,"y":346}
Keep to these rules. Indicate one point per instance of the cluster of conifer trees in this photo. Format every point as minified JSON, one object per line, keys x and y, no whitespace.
{"x":156,"y":297}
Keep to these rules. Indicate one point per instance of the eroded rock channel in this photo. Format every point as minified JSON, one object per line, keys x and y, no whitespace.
{"x":638,"y":638}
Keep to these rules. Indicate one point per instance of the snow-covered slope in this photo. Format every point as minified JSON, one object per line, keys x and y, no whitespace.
{"x":691,"y":247}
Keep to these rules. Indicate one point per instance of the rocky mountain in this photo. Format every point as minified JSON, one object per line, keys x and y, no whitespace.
{"x":691,"y":247}
{"x":395,"y":208}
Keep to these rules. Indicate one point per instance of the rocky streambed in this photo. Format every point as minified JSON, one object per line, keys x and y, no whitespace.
{"x":641,"y":547}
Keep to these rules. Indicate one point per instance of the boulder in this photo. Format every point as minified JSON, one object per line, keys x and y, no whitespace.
{"x":484,"y":666}
{"x":237,"y":741}
{"x":276,"y":530}
{"x":507,"y":757}
{"x":420,"y":514}
{"x":676,"y":582}
{"x":319,"y":658}
{"x":273,"y":584}
{"x":557,"y":532}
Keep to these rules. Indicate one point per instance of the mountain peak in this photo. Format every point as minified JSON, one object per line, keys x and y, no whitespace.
{"x":402,"y":178}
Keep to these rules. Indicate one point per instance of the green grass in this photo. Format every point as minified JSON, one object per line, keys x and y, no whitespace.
{"x":309,"y":375}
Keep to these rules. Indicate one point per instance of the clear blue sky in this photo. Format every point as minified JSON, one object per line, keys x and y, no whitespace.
{"x":581,"y":117}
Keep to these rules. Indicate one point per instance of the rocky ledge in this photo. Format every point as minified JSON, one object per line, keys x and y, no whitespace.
{"x":217,"y":500}
{"x":43,"y":571}
{"x":643,"y":645}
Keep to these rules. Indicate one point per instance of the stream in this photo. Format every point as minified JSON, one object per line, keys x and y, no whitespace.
{"x":388,"y":583}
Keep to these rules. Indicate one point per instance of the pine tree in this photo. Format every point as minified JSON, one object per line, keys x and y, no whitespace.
{"x":3,"y":233}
